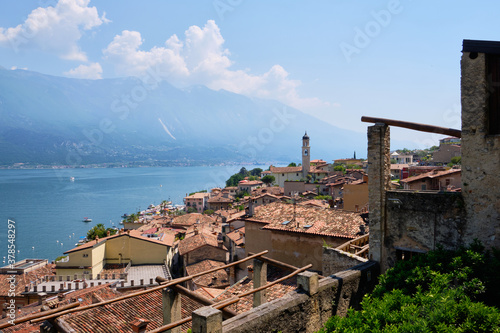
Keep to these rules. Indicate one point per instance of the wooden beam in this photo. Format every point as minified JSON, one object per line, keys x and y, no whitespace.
{"x":414,"y":126}
{"x":40,"y":314}
{"x":142,"y":292}
{"x":228,"y":313}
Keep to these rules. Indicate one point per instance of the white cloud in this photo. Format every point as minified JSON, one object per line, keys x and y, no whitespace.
{"x":55,"y":30}
{"x":201,"y":59}
{"x":92,"y":71}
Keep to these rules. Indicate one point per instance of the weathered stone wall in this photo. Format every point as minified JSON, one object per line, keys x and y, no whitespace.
{"x":298,"y":312}
{"x":480,"y":155}
{"x":419,"y":222}
{"x":335,"y":261}
{"x":379,"y":178}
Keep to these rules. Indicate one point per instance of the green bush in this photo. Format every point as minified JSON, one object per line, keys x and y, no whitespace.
{"x":442,"y":291}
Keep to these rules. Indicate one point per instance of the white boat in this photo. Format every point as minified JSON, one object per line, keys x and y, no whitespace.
{"x":71,"y":179}
{"x":86,"y":219}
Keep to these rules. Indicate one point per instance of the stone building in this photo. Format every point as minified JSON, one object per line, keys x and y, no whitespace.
{"x":406,"y":222}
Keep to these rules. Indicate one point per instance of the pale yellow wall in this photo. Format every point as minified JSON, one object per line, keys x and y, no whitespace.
{"x":98,"y":258}
{"x":355,"y":195}
{"x":144,"y":252}
{"x":290,"y":176}
{"x":116,"y":246}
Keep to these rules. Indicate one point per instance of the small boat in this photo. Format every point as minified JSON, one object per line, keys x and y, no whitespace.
{"x":71,"y":179}
{"x":86,"y":219}
{"x":124,"y":216}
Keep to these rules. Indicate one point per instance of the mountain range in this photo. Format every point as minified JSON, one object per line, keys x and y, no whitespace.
{"x":64,"y":121}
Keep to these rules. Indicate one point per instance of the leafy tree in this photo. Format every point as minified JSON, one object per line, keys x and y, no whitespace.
{"x":234,"y":179}
{"x":100,"y":231}
{"x":256,"y":172}
{"x":292,"y":164}
{"x":208,"y":212}
{"x":393,"y":161}
{"x":243,"y":171}
{"x":268,"y":179}
{"x":323,"y":197}
{"x":456,"y":160}
{"x":442,"y":291}
{"x":192,"y":210}
{"x":339,"y":168}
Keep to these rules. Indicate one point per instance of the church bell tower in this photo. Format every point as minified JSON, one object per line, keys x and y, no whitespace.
{"x":306,"y":156}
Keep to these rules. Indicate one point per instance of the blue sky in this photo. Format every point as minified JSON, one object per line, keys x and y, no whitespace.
{"x":337,"y":60}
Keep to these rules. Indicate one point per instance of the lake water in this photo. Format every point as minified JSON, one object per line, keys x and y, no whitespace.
{"x":48,"y":208}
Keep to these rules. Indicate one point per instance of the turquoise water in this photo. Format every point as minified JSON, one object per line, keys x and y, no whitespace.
{"x":48,"y":208}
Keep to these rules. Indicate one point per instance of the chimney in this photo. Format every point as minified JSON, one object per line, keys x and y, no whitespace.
{"x":139,"y":325}
{"x":108,"y":233}
{"x":195,"y":230}
{"x":250,"y":208}
{"x":97,"y":239}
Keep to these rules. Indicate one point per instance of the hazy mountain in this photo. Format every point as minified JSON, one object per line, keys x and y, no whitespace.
{"x":56,"y":120}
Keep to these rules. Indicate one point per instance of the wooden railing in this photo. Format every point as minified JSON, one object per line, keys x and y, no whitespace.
{"x":358,"y":246}
{"x":175,"y":284}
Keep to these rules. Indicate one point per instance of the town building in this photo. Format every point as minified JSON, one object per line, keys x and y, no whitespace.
{"x":197,"y":201}
{"x":444,"y":180}
{"x":122,"y":248}
{"x":296,"y":234}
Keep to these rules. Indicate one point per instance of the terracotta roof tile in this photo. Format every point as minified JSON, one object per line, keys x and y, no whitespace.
{"x":274,"y":292}
{"x":194,"y":242}
{"x":431,"y":175}
{"x":310,"y":220}
{"x":274,"y":169}
{"x":191,"y":219}
{"x":217,"y":279}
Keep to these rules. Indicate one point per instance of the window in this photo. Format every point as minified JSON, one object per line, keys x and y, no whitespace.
{"x":86,"y":255}
{"x":405,"y":254}
{"x":283,"y":174}
{"x":447,"y":181}
{"x":493,"y":79}
{"x":424,"y":187}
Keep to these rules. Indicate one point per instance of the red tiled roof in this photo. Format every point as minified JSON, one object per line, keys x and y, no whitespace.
{"x":327,"y":222}
{"x":285,"y":169}
{"x":217,"y":279}
{"x":24,"y":279}
{"x":194,"y":242}
{"x":191,"y":219}
{"x":209,"y":293}
{"x":251,"y":183}
{"x":220,"y":198}
{"x":274,"y":292}
{"x":431,"y":175}
{"x":117,"y":316}
{"x":237,"y":236}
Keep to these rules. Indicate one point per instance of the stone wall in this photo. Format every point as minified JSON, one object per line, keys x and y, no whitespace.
{"x":335,"y":261}
{"x":379,"y":178}
{"x":480,"y":154}
{"x":420,"y":221}
{"x":299,"y":312}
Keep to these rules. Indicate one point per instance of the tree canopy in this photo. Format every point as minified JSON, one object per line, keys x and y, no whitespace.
{"x":100,"y":231}
{"x":253,"y":174}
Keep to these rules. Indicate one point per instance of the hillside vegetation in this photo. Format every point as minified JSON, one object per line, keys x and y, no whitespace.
{"x":442,"y":291}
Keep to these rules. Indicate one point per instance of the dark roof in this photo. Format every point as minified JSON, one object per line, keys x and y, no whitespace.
{"x":305,"y":137}
{"x":481,"y":46}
